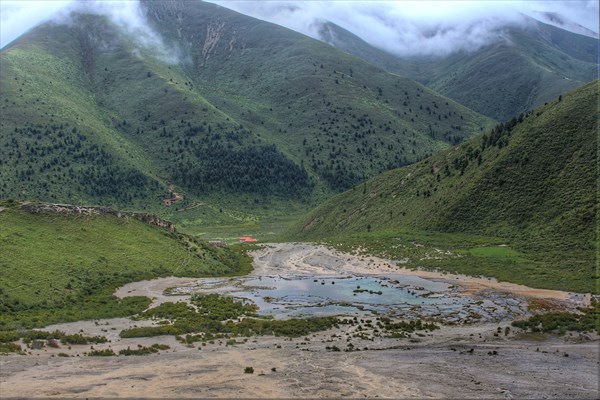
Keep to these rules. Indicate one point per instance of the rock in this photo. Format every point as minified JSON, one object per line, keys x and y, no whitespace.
{"x":72,"y":209}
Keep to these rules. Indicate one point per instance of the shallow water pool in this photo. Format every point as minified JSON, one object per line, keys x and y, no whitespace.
{"x":327,"y":295}
{"x":302,"y":295}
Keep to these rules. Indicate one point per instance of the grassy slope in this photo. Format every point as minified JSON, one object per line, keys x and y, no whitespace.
{"x":259,"y":84}
{"x":44,"y":93}
{"x":549,"y":62}
{"x":534,"y":188}
{"x":499,"y":80}
{"x":58,"y":267}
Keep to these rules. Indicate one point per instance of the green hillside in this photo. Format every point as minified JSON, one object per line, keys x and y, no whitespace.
{"x":527,"y":66}
{"x":65,"y":267}
{"x":530,"y":183}
{"x":230,"y":116}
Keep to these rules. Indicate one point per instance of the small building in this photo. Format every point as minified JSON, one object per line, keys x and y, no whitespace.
{"x":248,"y":239}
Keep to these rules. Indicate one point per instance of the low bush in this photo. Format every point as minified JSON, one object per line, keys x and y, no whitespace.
{"x":142,"y":350}
{"x":10,"y":348}
{"x":218,"y":316}
{"x":587,"y":320}
{"x":101,"y":353}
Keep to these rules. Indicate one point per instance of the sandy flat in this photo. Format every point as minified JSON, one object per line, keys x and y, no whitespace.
{"x":441,"y":366}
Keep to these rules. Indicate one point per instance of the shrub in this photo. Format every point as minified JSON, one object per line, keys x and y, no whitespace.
{"x":587,"y":320}
{"x":10,"y":348}
{"x":142,"y":351}
{"x":101,"y":353}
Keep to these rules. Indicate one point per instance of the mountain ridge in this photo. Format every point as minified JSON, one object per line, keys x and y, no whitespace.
{"x":284,"y":117}
{"x":546,"y":61}
{"x":531,"y":181}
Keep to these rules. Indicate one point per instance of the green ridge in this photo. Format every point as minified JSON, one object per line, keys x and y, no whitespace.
{"x":65,"y":267}
{"x":527,"y":65}
{"x":249,"y":120}
{"x":529,"y":183}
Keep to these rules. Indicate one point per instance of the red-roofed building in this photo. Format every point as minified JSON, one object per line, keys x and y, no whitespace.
{"x":247,"y":239}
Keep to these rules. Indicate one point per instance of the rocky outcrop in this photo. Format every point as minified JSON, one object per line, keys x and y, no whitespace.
{"x":73,"y":209}
{"x":214,"y":33}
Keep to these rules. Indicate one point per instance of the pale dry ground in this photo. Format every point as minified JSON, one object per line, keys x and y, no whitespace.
{"x":438,"y":365}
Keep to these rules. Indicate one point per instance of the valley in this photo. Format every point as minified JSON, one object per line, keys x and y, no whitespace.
{"x":464,"y":357}
{"x":196,"y":203}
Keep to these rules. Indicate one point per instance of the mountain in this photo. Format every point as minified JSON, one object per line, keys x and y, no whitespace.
{"x":524,"y":67}
{"x":230,"y":113}
{"x":531,"y":181}
{"x":560,"y":21}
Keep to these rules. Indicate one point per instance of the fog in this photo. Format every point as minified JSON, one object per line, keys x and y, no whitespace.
{"x":126,"y":15}
{"x":400,"y":27}
{"x":415,"y":27}
{"x":17,"y":17}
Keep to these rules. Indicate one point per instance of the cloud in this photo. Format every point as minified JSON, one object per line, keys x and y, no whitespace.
{"x":129,"y":17}
{"x":20,"y":16}
{"x":414,"y":27}
{"x":402,"y":27}
{"x":582,"y":12}
{"x":17,"y":17}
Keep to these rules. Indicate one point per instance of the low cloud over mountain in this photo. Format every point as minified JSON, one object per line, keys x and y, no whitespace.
{"x":401,"y":27}
{"x":415,"y":27}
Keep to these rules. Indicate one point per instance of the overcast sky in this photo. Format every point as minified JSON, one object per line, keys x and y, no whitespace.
{"x":402,"y":27}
